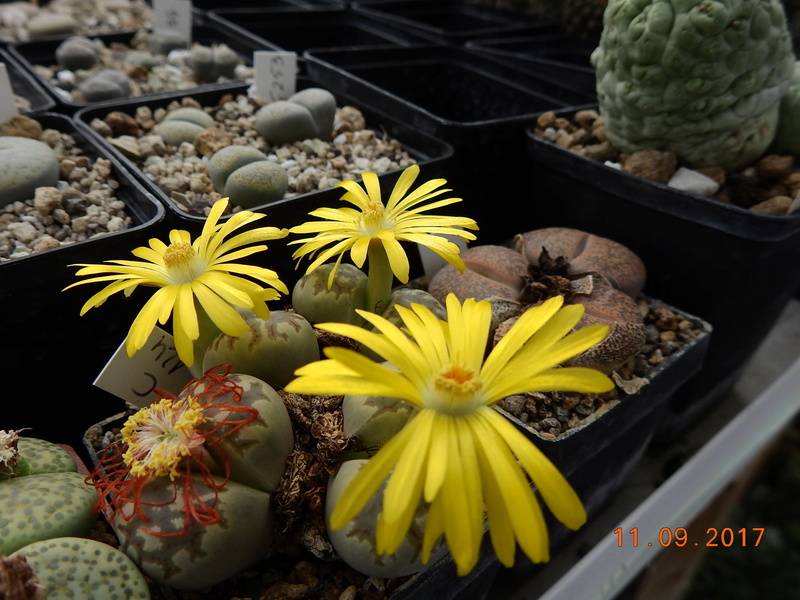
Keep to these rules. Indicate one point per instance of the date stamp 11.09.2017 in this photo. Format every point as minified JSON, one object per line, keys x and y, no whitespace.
{"x":680,"y":537}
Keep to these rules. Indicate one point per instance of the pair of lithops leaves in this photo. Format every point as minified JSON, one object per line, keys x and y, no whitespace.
{"x":601,"y":274}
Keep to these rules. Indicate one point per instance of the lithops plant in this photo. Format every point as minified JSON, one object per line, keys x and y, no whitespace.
{"x":42,"y":495}
{"x":183,"y":125}
{"x":193,"y":472}
{"x":702,"y":78}
{"x":71,"y":567}
{"x":78,"y":52}
{"x":165,"y":41}
{"x":317,"y":301}
{"x":355,"y":542}
{"x":212,"y":63}
{"x":306,"y":114}
{"x":25,"y":164}
{"x":271,"y":350}
{"x":596,"y":272}
{"x":106,"y":84}
{"x":246,"y":176}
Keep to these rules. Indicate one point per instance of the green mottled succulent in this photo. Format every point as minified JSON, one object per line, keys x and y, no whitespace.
{"x":317,"y":302}
{"x":355,"y":542}
{"x":271,"y":350}
{"x":702,"y":78}
{"x":204,"y":555}
{"x":188,"y":493}
{"x":42,"y":495}
{"x":73,"y":567}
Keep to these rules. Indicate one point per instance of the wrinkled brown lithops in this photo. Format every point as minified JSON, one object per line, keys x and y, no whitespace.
{"x":491,"y":271}
{"x":587,"y":252}
{"x":607,"y":305}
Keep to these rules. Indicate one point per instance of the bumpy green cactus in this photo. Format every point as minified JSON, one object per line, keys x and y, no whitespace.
{"x":702,"y":78}
{"x":788,"y":137}
{"x":272,"y":350}
{"x":73,"y":567}
{"x":312,"y":298}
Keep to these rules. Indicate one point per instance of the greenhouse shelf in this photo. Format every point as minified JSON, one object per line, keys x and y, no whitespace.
{"x":597,"y":564}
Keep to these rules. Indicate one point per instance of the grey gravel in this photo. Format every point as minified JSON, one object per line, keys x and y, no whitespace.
{"x":82,"y":206}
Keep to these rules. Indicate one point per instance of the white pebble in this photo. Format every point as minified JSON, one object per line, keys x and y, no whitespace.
{"x":693,"y":182}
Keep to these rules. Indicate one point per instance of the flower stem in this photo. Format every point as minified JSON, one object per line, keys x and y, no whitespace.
{"x":208,"y":331}
{"x":379,"y":278}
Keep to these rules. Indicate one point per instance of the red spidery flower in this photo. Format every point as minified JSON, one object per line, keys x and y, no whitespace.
{"x":175,"y":437}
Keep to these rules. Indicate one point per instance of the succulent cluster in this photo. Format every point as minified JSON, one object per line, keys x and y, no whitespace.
{"x":702,"y":78}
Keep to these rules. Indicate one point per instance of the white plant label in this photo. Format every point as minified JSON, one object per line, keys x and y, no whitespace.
{"x":135,"y":378}
{"x":8,"y":108}
{"x":173,"y":15}
{"x":432,"y":262}
{"x":275,"y":73}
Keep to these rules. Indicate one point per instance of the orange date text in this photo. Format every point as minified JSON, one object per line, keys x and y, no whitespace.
{"x":679,"y":536}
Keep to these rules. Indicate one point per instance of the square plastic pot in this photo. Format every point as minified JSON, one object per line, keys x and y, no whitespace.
{"x":432,"y":155}
{"x":298,"y":30}
{"x":555,"y":56}
{"x":732,"y":267}
{"x":475,"y":103}
{"x":49,"y":352}
{"x":25,"y":85}
{"x":43,"y":52}
{"x":452,"y":21}
{"x":596,"y":457}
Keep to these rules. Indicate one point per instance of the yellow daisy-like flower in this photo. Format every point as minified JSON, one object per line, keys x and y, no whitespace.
{"x":375,"y":229}
{"x":457,"y":454}
{"x":197,"y":278}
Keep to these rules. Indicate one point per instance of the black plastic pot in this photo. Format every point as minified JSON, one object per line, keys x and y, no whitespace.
{"x":298,"y":30}
{"x":453,"y":21}
{"x":732,"y":267}
{"x":432,"y":155}
{"x":25,"y":85}
{"x":49,"y":352}
{"x":43,"y":52}
{"x":555,"y":56}
{"x":475,"y":103}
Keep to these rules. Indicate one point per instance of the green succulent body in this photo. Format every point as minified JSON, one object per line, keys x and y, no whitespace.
{"x":788,"y":137}
{"x":702,"y":78}
{"x":74,"y":567}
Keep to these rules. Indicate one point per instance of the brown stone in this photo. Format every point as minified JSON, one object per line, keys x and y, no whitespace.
{"x":212,"y":139}
{"x":716,"y":173}
{"x":774,"y":166}
{"x":22,"y":126}
{"x":792,"y":183}
{"x":651,"y":164}
{"x":121,"y":123}
{"x":777,"y":205}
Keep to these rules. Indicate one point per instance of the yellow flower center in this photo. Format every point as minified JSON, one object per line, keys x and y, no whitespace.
{"x":457,"y":389}
{"x":161,"y":435}
{"x":182,"y":263}
{"x":372,"y":218}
